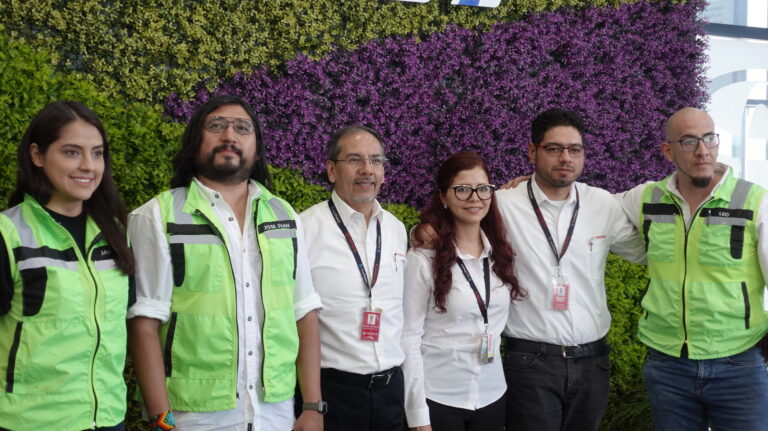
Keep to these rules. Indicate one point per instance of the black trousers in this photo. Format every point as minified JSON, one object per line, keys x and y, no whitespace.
{"x":358,"y":406}
{"x":447,"y":418}
{"x":550,"y":393}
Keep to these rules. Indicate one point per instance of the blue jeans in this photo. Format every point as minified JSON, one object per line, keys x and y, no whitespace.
{"x":728,"y":393}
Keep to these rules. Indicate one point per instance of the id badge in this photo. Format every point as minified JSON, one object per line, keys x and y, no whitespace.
{"x":558,"y":294}
{"x":369,"y":330}
{"x":486,"y":348}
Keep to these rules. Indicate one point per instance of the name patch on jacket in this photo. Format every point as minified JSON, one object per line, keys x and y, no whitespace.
{"x":279,"y":224}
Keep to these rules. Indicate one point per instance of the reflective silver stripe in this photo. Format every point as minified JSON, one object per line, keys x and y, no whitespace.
{"x":278,"y":209}
{"x":42,"y":262}
{"x":739,"y":195}
{"x":104,"y":265}
{"x":658,"y":193}
{"x":179,"y":200}
{"x":660,"y":218}
{"x":728,"y":221}
{"x":280,"y":233}
{"x":195,"y":239}
{"x":25,"y":232}
{"x":280,"y":214}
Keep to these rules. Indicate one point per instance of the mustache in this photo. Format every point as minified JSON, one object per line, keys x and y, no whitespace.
{"x":227,"y":147}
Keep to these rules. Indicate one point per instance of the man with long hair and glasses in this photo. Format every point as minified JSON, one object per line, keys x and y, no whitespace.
{"x":225,"y":319}
{"x":705,"y":235}
{"x":357,"y":257}
{"x":556,"y":355}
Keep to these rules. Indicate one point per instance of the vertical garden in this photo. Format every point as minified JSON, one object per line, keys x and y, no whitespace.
{"x":433,"y":78}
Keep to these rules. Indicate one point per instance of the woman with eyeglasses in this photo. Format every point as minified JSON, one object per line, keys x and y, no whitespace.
{"x":459,"y":283}
{"x":64,"y":279}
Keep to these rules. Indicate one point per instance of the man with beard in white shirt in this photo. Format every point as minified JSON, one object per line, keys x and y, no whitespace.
{"x":357,"y":257}
{"x":225,"y":318}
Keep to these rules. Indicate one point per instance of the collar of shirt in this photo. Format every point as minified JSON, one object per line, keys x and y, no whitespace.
{"x":485,"y":253}
{"x":721,"y":168}
{"x":347,"y":212}
{"x":214,"y":196}
{"x":541,"y":198}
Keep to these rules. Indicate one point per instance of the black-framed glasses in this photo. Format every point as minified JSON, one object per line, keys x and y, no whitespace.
{"x":242,"y":126}
{"x":464,"y":192}
{"x":690,"y":144}
{"x":556,"y":150}
{"x":358,"y":161}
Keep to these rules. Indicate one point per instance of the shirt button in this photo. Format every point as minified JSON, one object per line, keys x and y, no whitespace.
{"x":250,"y":318}
{"x":250,"y":386}
{"x":247,"y":284}
{"x":250,"y":353}
{"x":230,"y":219}
{"x":216,"y":195}
{"x":212,"y":204}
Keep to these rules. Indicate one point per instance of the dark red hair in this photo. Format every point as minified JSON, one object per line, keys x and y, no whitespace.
{"x":437,"y":231}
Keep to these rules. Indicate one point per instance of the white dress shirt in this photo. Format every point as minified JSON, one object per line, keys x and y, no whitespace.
{"x":442,"y":350}
{"x":600,"y":226}
{"x":154,"y":288}
{"x":337,"y":280}
{"x":631,"y":202}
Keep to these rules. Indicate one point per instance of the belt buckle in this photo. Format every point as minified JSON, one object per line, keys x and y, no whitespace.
{"x":564,"y":351}
{"x":376,"y":376}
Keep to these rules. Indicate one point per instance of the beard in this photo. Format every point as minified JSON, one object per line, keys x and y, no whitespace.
{"x":701,"y":182}
{"x":231,"y":171}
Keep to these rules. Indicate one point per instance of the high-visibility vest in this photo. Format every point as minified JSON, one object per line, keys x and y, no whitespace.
{"x":200,"y":340}
{"x":705,"y":294}
{"x":63,"y":342}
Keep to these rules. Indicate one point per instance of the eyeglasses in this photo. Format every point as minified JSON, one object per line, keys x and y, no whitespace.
{"x":242,"y":126}
{"x":689,"y":145}
{"x":464,"y":192}
{"x":556,"y":150}
{"x":358,"y":161}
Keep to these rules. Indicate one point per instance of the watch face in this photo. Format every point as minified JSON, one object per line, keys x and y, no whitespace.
{"x":320,"y":406}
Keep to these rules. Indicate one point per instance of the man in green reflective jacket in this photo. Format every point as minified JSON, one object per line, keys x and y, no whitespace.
{"x":226,"y":313}
{"x":707,"y":248}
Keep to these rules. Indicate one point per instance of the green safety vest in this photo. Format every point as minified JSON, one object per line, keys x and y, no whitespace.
{"x":705,"y":294}
{"x":199,"y":341}
{"x":62,"y":344}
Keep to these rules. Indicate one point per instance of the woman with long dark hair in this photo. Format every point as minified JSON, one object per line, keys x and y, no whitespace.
{"x":64,"y":279}
{"x":459,"y":283}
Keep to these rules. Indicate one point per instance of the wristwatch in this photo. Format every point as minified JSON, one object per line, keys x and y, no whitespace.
{"x":320,"y":406}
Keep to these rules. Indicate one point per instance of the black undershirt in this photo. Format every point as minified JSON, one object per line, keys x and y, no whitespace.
{"x":74,"y":225}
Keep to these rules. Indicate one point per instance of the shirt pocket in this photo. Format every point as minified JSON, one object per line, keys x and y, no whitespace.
{"x":597,"y":251}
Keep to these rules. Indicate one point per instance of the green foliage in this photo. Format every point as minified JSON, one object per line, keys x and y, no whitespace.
{"x":407,"y":214}
{"x":290,"y":185}
{"x":142,"y":142}
{"x":628,"y":408}
{"x":145,"y":50}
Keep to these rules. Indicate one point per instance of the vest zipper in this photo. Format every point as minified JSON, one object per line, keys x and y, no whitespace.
{"x":96,"y":321}
{"x":684,"y":348}
{"x":226,"y":250}
{"x":263,"y":308}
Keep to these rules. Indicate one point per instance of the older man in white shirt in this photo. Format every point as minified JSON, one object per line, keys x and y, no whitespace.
{"x":357,"y":256}
{"x":556,"y":356}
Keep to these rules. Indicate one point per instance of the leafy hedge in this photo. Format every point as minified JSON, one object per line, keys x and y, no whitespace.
{"x":624,"y":69}
{"x":144,"y":50}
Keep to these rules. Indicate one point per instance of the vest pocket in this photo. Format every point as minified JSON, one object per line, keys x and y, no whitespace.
{"x":177,"y":263}
{"x":168,"y":352}
{"x":34,"y":281}
{"x":9,"y":377}
{"x":747,"y":312}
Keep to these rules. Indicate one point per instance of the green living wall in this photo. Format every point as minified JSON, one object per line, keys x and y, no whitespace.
{"x":125,"y":58}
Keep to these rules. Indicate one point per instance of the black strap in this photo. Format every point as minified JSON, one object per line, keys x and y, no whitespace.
{"x":487,"y":275}
{"x":353,"y":248}
{"x":543,"y":224}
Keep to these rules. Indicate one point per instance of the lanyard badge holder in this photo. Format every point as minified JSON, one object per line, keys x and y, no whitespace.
{"x":371,"y":322}
{"x":486,"y":340}
{"x":559,"y":289}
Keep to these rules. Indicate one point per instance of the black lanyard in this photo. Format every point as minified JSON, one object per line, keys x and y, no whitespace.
{"x":487,"y":275}
{"x":543,"y":223}
{"x":351,"y":243}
